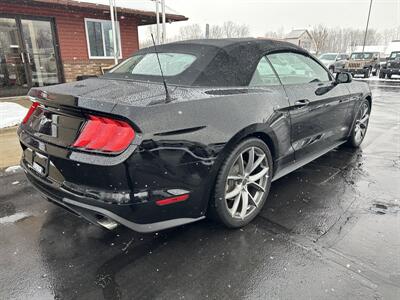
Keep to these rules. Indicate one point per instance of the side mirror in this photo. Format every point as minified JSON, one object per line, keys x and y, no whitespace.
{"x":343,"y":77}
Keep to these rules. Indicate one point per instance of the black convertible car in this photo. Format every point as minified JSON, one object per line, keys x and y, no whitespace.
{"x":233,"y":116}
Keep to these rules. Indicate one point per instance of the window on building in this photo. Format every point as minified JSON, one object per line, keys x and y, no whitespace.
{"x":100,"y":38}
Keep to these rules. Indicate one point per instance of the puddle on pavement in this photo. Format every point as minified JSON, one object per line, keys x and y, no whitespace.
{"x":381,"y":208}
{"x":6,"y":209}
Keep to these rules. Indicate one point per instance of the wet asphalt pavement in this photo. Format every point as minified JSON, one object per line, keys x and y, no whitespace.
{"x":330,"y":230}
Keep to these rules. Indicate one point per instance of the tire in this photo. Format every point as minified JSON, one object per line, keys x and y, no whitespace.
{"x":230,"y":194}
{"x":382,"y":75}
{"x":367,"y":74}
{"x":360,"y":126}
{"x":389,"y":76}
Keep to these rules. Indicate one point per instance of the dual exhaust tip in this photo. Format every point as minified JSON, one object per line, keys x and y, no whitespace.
{"x":106,"y":222}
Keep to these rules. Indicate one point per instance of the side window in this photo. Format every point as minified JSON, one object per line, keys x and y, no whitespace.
{"x":264,"y":75}
{"x":294,"y":68}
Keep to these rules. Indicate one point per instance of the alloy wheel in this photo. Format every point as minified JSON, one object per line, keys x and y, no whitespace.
{"x":361,"y":123}
{"x":246,"y":182}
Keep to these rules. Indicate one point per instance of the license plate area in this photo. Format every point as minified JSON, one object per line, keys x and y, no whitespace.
{"x":37,"y":162}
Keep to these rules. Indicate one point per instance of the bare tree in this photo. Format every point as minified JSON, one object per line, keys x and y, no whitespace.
{"x":216,"y":32}
{"x":233,"y":30}
{"x":242,"y":31}
{"x":190,"y":32}
{"x":319,"y":34}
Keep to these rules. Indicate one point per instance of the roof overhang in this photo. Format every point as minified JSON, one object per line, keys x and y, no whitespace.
{"x":144,"y":17}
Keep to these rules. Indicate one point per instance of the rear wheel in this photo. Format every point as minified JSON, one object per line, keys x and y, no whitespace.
{"x":360,"y":126}
{"x":376,"y":73}
{"x":243,"y":183}
{"x":367,"y":73}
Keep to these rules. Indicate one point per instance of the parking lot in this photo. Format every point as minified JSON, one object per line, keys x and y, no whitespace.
{"x":330,"y":230}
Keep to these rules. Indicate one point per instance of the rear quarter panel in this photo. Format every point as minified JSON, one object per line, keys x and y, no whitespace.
{"x":213,"y":120}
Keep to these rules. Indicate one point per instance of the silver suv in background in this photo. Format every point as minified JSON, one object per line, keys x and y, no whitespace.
{"x":334,"y":61}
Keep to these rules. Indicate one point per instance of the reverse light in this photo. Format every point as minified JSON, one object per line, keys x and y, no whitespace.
{"x":172,"y":200}
{"x":30,"y":112}
{"x":105,"y":135}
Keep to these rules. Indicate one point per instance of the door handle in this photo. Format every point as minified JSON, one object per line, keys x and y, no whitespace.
{"x":301,"y":103}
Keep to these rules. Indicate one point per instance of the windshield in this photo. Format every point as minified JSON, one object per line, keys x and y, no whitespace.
{"x":147,"y":64}
{"x":361,"y":55}
{"x":328,"y":57}
{"x":395,"y":55}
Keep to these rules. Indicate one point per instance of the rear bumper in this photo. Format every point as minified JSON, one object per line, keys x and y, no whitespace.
{"x":355,"y":71}
{"x":95,"y":211}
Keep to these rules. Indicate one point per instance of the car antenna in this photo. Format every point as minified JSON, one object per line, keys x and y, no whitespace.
{"x":167,"y":96}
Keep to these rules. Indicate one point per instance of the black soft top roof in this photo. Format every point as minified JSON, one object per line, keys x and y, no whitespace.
{"x":255,"y":46}
{"x":220,"y":62}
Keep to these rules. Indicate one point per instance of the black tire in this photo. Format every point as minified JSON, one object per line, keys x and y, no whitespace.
{"x":219,"y":206}
{"x":354,"y":140}
{"x":367,"y":73}
{"x":382,"y":75}
{"x":389,"y":76}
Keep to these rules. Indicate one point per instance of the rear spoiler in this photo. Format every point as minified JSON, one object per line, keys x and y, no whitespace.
{"x":52,"y":99}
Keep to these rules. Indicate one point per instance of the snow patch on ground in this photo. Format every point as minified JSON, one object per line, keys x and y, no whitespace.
{"x":13,"y":218}
{"x":11,"y":114}
{"x":13,"y":169}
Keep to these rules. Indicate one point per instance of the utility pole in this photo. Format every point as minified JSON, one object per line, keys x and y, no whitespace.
{"x":112,"y":4}
{"x":157,"y":21}
{"x":366,"y":28}
{"x":207,"y":31}
{"x":164,"y":31}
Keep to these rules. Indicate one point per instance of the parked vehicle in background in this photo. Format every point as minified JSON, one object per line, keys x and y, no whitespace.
{"x":365,"y":63}
{"x":391,"y":66}
{"x":334,"y":61}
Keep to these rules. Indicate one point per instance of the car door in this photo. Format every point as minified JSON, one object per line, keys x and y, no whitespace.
{"x":318,"y":106}
{"x":277,"y":119}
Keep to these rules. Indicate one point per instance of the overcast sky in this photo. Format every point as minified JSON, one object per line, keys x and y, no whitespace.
{"x":265,"y":15}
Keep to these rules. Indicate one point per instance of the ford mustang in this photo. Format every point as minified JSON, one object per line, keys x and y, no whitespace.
{"x":186,"y":130}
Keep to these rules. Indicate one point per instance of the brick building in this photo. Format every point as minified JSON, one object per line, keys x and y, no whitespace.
{"x":45,"y":42}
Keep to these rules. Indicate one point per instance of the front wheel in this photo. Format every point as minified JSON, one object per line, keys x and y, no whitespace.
{"x":367,"y":73}
{"x":243,"y":183}
{"x":360,"y":125}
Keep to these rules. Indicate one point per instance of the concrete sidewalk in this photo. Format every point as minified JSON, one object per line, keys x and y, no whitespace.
{"x":9,"y":147}
{"x":10,"y":150}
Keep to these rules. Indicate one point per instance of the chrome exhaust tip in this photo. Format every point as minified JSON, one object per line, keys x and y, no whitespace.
{"x":107,"y":223}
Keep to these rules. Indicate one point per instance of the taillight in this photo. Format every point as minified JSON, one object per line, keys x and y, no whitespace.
{"x":105,"y":134}
{"x":30,"y":112}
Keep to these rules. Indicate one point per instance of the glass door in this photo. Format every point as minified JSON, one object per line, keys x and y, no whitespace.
{"x":13,"y":71}
{"x":40,"y":51}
